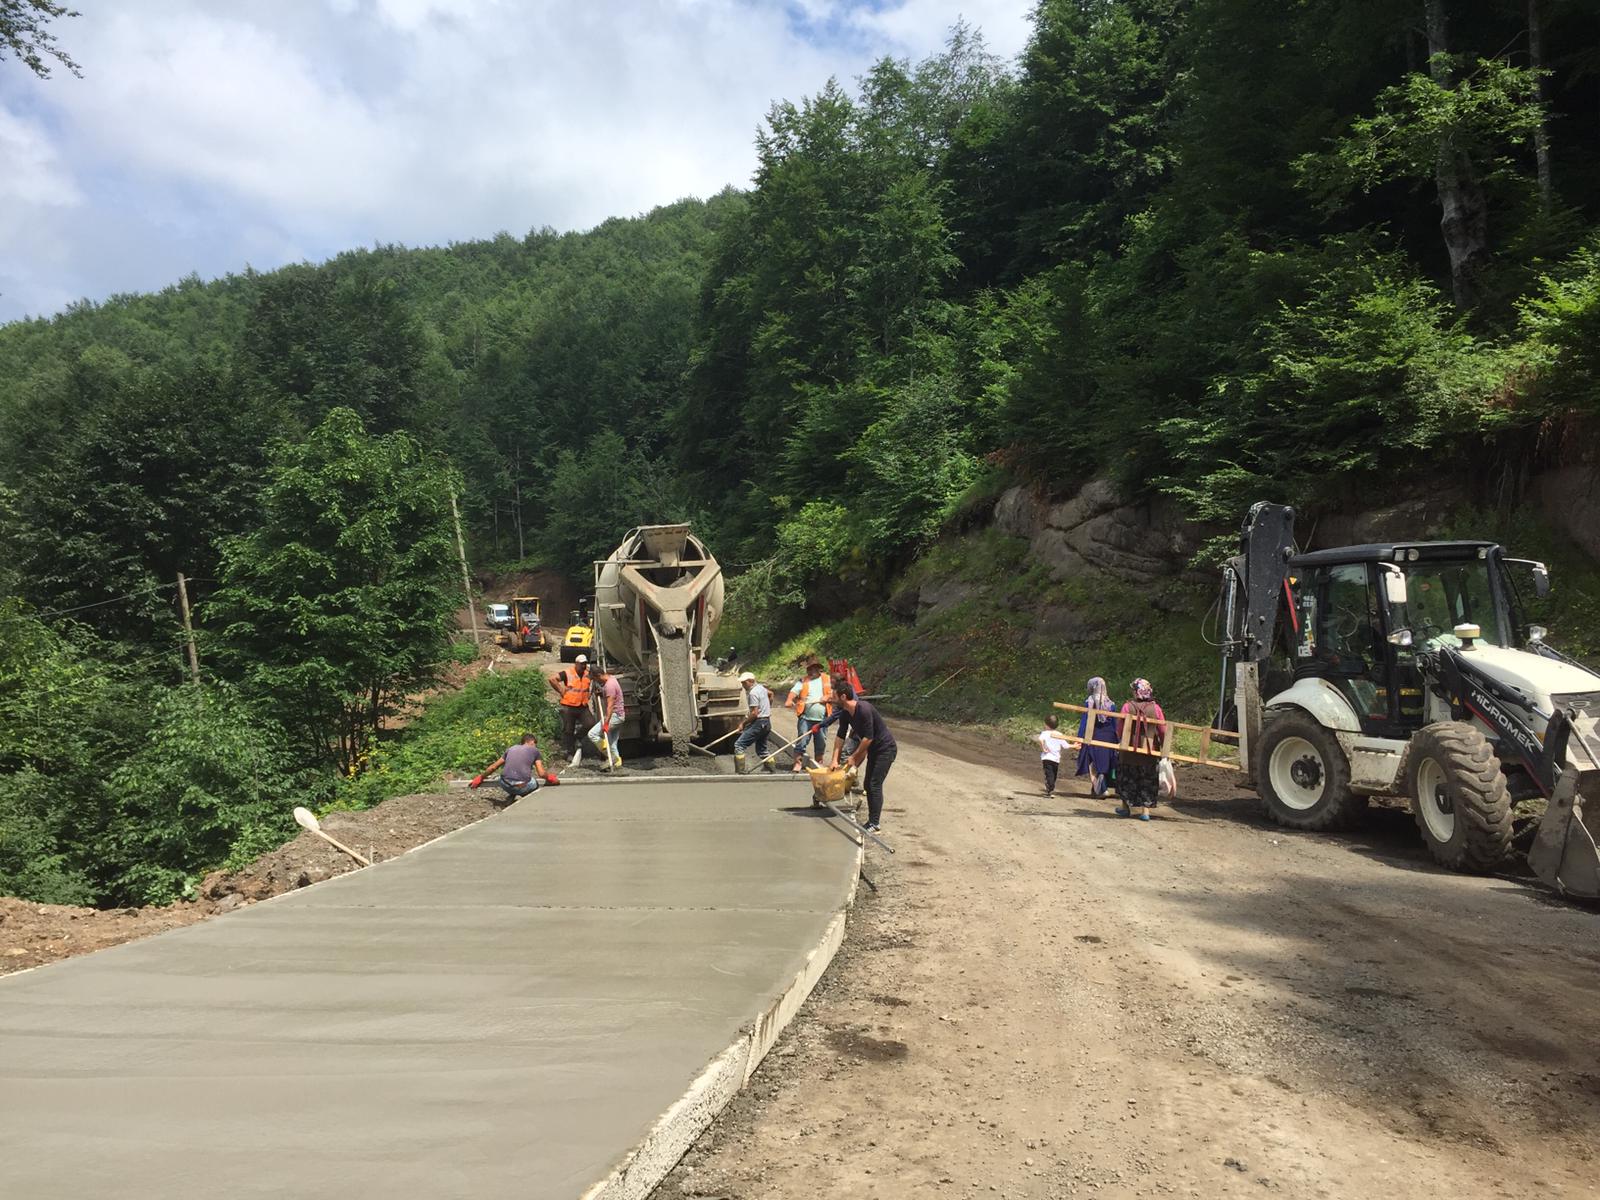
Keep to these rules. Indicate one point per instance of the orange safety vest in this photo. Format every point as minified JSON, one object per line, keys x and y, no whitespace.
{"x":798,"y":701}
{"x":575,"y":688}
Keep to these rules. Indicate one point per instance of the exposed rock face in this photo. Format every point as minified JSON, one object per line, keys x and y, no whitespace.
{"x":1097,"y":532}
{"x":1410,"y":520}
{"x":1571,"y":499}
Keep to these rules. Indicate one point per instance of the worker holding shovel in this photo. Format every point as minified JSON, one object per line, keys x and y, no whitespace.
{"x":812,"y":700}
{"x":607,"y":731}
{"x":757,"y":722}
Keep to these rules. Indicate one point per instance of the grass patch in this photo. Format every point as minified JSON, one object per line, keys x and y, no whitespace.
{"x":985,"y":653}
{"x":463,"y":731}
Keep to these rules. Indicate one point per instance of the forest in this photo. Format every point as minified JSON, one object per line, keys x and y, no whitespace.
{"x":1216,"y":250}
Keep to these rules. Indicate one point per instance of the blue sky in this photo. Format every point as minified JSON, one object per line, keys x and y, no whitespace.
{"x":207,"y":135}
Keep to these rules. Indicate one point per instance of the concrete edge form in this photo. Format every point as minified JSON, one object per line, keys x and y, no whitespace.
{"x":669,"y":1139}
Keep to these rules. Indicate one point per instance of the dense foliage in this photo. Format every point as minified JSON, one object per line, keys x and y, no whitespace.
{"x":1218,"y":249}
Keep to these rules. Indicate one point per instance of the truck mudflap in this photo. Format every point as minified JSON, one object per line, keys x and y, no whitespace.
{"x":1566,"y":849}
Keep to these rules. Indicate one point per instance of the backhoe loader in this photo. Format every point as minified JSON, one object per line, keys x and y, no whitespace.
{"x":1410,"y":669}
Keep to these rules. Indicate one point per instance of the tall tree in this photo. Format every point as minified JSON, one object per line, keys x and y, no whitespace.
{"x":338,"y":604}
{"x":1464,"y":218}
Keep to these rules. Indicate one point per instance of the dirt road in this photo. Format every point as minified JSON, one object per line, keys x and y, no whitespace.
{"x":1043,"y":1000}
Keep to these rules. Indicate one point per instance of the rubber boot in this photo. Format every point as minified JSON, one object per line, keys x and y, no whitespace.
{"x":738,"y":762}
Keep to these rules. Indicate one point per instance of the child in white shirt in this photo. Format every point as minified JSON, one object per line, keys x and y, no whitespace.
{"x":1051,"y":742}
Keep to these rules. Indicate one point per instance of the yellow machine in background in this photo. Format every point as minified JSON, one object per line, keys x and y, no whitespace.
{"x":580,"y":633}
{"x":527,"y":630}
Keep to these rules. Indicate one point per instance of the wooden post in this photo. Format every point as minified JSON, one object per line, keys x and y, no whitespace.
{"x":188,"y":628}
{"x":466,"y":579}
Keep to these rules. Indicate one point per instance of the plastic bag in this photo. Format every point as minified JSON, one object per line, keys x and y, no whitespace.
{"x":1168,"y":779}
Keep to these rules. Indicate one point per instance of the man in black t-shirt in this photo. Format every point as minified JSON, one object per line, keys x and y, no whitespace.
{"x":876,"y":747}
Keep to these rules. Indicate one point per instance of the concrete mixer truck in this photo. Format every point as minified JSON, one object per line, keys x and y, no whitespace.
{"x":658,"y":600}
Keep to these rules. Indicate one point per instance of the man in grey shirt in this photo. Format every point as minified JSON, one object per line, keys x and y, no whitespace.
{"x":758,"y":721}
{"x":524,"y":770}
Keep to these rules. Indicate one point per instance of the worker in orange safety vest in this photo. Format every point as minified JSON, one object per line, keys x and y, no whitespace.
{"x":812,"y":700}
{"x":572,"y":686}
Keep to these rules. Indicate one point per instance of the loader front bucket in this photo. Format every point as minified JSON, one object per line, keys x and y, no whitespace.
{"x":1564,"y":853}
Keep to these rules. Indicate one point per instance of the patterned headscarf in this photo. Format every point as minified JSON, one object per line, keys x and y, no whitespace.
{"x":1099,"y":697}
{"x":1142,"y":690}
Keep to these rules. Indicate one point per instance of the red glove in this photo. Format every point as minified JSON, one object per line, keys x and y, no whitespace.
{"x":605,"y":726}
{"x":477,"y":781}
{"x":551,"y":779}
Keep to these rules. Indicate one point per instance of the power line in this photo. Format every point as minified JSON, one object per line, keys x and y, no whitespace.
{"x":114,"y":600}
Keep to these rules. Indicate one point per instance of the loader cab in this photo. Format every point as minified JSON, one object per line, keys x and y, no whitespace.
{"x":1360,"y":617}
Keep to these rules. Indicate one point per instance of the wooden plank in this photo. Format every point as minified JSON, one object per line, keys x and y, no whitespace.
{"x":1206,"y":735}
{"x":1121,"y":716}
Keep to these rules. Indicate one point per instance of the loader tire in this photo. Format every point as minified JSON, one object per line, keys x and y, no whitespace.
{"x":1304,"y":776}
{"x":1459,"y":797}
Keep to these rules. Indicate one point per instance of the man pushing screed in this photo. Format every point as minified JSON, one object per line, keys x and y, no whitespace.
{"x":876,"y":747}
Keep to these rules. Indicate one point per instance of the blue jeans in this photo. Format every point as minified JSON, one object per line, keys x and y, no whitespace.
{"x":613,"y":737}
{"x":805,"y":727}
{"x":516,"y":789}
{"x":755,"y":733}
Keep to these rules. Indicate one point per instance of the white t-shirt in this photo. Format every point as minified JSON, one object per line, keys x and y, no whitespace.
{"x":1051,"y":742}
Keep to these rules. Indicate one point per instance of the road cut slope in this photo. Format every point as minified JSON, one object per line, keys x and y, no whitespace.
{"x":507,"y":1011}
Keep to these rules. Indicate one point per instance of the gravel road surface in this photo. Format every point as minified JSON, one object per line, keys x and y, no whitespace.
{"x":1043,"y":1000}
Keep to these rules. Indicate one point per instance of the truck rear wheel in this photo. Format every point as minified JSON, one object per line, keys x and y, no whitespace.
{"x":1305,"y":778}
{"x":1458,"y":796}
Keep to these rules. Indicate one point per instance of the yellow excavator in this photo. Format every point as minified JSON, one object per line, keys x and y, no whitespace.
{"x":580,"y":632}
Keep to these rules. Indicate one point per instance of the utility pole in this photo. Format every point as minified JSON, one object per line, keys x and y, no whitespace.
{"x":466,"y":579}
{"x":188,"y":628}
{"x":522,"y":551}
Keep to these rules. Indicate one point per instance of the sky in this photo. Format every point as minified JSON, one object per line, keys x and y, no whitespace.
{"x":210,"y":135}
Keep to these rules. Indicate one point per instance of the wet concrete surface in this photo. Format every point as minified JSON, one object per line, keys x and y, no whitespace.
{"x":502,"y":1012}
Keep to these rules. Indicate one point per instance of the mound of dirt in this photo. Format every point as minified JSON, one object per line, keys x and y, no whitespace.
{"x":387,"y":831}
{"x":33,"y":934}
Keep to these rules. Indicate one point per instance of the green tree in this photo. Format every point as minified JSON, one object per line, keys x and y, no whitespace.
{"x":337,"y":605}
{"x":25,"y":34}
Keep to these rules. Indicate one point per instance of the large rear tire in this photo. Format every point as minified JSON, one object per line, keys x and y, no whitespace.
{"x":1305,"y":777}
{"x":1459,"y":796}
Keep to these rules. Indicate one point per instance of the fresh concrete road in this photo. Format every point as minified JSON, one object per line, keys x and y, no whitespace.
{"x":504,"y":1012}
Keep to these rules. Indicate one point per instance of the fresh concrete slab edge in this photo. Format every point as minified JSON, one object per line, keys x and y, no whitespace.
{"x":647,"y":1164}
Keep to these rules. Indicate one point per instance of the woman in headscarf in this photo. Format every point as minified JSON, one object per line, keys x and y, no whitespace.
{"x":1098,"y":762}
{"x":1138,"y":768}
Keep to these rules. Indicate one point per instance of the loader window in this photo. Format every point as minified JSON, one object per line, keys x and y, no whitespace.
{"x":1440,"y":596}
{"x":1352,"y":645}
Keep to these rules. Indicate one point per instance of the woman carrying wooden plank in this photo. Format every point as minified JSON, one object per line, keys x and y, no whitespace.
{"x":1144,"y":736}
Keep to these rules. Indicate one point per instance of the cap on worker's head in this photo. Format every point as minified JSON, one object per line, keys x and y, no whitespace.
{"x":747,"y":677}
{"x":582,"y":658}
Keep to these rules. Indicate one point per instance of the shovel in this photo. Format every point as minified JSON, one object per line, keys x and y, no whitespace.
{"x":306,"y":819}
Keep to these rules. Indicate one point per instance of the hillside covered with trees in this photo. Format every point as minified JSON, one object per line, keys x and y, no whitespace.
{"x":1216,"y":250}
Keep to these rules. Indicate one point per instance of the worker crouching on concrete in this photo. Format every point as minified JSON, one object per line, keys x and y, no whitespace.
{"x":812,"y":700}
{"x":523,"y":770}
{"x":875,"y":746}
{"x":757,"y":722}
{"x":573,"y":686}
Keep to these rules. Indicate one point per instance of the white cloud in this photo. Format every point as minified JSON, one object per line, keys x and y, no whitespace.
{"x":203,"y":137}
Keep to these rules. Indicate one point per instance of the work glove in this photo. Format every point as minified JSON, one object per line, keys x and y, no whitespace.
{"x":605,"y":727}
{"x":477,"y":781}
{"x":551,"y":778}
